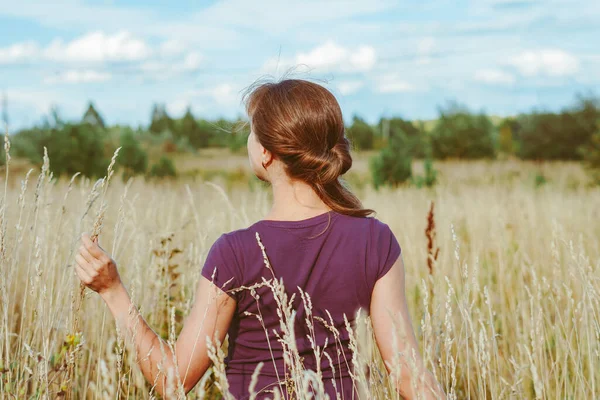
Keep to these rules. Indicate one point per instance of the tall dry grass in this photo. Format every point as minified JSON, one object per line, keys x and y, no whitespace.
{"x":511,"y":308}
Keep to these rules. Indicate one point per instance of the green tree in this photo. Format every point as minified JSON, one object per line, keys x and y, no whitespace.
{"x":92,"y":117}
{"x":77,"y":148}
{"x":393,"y":165}
{"x":132,"y":157}
{"x":161,"y":122}
{"x":361,"y":134}
{"x":71,"y":147}
{"x":558,"y":136}
{"x":458,"y":133}
{"x":415,"y":135}
{"x":190,"y":129}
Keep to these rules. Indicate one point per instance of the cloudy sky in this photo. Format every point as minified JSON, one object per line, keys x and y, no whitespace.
{"x":379,"y":57}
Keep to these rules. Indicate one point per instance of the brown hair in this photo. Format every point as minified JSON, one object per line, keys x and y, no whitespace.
{"x":301,"y":124}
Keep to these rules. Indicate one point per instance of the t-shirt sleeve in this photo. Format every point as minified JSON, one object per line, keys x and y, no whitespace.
{"x":385,"y":249}
{"x":221,"y":267}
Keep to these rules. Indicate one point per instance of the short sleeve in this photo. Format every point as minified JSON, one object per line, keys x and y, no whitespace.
{"x":221,"y":267}
{"x":385,"y":249}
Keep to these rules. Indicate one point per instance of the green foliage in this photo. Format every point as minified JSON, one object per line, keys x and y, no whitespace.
{"x":430,"y":177}
{"x":459,"y":133}
{"x":591,"y":155}
{"x":230,"y":134}
{"x":164,"y":168}
{"x":414,"y":135}
{"x":506,"y":136}
{"x":361,"y":134}
{"x":550,"y":136}
{"x":196,"y":134}
{"x":393,"y":165}
{"x":540,"y":179}
{"x":132,"y":157}
{"x":71,"y":147}
{"x":161,"y":122}
{"x":92,"y":117}
{"x":3,"y":152}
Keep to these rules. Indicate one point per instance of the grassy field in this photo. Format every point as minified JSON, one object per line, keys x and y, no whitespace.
{"x":510,"y":309}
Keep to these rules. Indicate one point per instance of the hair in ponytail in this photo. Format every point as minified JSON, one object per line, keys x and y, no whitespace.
{"x":301,"y":123}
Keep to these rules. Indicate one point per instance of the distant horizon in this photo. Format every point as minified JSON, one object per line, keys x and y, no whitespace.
{"x":495,"y":118}
{"x":380,"y":58}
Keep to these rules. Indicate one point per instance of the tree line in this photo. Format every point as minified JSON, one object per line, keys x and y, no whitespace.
{"x":86,"y":145}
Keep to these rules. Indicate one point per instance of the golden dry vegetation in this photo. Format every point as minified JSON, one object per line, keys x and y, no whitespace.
{"x":510,"y":310}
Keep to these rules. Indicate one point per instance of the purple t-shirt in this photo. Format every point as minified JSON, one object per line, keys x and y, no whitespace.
{"x":335,"y":258}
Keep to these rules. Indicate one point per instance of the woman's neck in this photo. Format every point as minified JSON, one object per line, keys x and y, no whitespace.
{"x":294,"y":200}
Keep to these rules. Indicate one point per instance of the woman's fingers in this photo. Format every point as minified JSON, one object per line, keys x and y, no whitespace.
{"x":84,"y":264}
{"x":96,"y":269}
{"x":85,"y":254}
{"x":83,"y":275}
{"x":92,"y":247}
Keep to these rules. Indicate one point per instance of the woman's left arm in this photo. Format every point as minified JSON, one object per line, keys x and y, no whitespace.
{"x":210,"y":317}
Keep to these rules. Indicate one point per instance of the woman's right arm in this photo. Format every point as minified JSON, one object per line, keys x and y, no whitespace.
{"x":391,"y":321}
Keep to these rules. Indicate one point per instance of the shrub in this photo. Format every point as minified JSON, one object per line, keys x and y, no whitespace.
{"x":459,"y":133}
{"x":164,"y":168}
{"x":430,"y":177}
{"x":361,"y":134}
{"x":415,"y":135}
{"x":591,"y":155}
{"x":132,"y":157}
{"x":393,"y":165}
{"x":550,"y":136}
{"x":72,"y":148}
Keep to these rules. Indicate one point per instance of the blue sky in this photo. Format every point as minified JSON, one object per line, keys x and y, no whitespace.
{"x":380,"y":57}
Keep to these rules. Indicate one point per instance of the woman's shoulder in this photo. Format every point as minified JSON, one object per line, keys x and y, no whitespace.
{"x":368,"y":225}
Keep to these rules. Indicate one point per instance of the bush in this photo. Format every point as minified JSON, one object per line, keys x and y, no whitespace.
{"x":506,"y":136}
{"x":550,"y":136}
{"x":591,"y":155}
{"x":132,"y":157}
{"x":430,"y":177}
{"x":361,"y":134}
{"x":163,"y":169}
{"x":393,"y":165}
{"x":72,"y":148}
{"x":415,"y":136}
{"x":459,"y":133}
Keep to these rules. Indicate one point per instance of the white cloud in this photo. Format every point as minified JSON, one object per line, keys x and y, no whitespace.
{"x":164,"y":69}
{"x":99,"y":47}
{"x":93,"y":52}
{"x":329,"y":57}
{"x":425,"y":48}
{"x":494,"y":76}
{"x":549,"y":62}
{"x":224,"y":94}
{"x":393,"y":83}
{"x":178,"y":107}
{"x":191,"y":62}
{"x":18,"y":52}
{"x":78,"y":76}
{"x":349,"y":87}
{"x":172,"y":47}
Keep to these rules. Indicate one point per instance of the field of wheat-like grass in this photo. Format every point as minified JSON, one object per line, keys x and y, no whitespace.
{"x":508,"y":308}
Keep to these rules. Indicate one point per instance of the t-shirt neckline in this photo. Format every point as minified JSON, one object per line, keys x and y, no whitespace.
{"x":317,"y":219}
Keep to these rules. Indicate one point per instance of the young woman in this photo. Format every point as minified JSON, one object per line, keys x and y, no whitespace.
{"x":317,"y":238}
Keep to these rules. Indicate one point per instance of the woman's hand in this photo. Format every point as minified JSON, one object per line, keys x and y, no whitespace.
{"x":95,"y":268}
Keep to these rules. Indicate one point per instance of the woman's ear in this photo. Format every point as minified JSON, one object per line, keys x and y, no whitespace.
{"x":267,"y":157}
